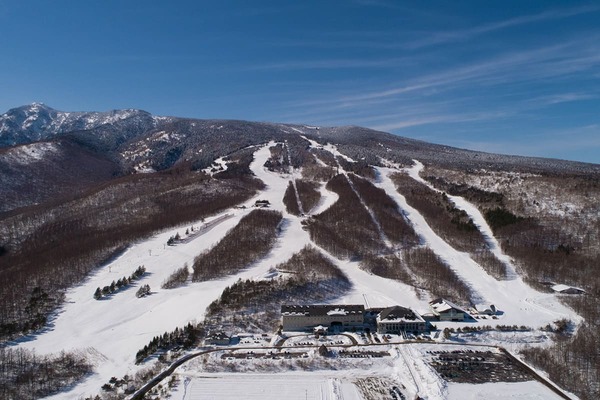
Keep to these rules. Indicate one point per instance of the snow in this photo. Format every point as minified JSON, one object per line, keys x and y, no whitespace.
{"x":220,"y":164}
{"x":476,"y":216}
{"x":111,"y":331}
{"x":118,"y":327}
{"x":530,"y":390}
{"x":518,"y":303}
{"x":328,"y":198}
{"x":297,"y":386}
{"x":337,"y":311}
{"x":405,"y":367}
{"x":30,"y":153}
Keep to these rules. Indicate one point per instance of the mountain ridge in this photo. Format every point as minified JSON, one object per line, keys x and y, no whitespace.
{"x":39,"y":122}
{"x":89,"y":148}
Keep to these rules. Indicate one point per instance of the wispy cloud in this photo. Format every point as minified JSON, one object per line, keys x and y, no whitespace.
{"x":334,"y":64}
{"x":562,"y":98}
{"x":438,"y":38}
{"x":525,"y":65}
{"x":437,"y":119}
{"x":573,"y":140}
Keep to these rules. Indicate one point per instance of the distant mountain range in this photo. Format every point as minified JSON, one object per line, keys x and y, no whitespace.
{"x":36,"y":122}
{"x":71,"y":150}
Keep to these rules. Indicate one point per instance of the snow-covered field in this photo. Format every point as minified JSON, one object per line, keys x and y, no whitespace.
{"x":500,"y":391}
{"x":112,"y":330}
{"x":293,"y":386}
{"x":405,"y":369}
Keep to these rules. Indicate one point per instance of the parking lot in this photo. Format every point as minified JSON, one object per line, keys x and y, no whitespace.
{"x":476,"y":366}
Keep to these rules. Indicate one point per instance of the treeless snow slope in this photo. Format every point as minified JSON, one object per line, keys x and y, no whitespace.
{"x":520,"y":303}
{"x":328,"y":198}
{"x":531,"y":390}
{"x":477,"y":218}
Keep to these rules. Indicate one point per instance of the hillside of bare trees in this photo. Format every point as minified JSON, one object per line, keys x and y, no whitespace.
{"x":549,"y":224}
{"x":435,"y":276}
{"x":26,"y":375}
{"x":345,"y":229}
{"x":70,"y":239}
{"x":393,"y":223}
{"x":308,"y":277}
{"x":307,"y":196}
{"x":450,"y":223}
{"x":248,"y":241}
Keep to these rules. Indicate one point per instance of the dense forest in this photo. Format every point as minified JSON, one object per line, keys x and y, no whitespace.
{"x":25,"y":375}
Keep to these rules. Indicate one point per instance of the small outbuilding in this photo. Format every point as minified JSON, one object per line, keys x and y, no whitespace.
{"x":445,"y":310}
{"x":565,"y":289}
{"x":485,"y":309}
{"x":218,"y":338}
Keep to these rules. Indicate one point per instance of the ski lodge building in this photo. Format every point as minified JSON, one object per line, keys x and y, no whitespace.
{"x":300,"y":318}
{"x":400,"y":319}
{"x":340,"y":317}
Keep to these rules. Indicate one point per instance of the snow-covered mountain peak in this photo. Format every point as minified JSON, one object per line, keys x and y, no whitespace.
{"x":38,"y":121}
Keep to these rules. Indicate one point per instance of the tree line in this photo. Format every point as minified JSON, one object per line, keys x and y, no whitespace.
{"x":455,"y":226}
{"x":183,"y":338}
{"x":345,"y":229}
{"x":177,"y":279}
{"x":122,"y":283}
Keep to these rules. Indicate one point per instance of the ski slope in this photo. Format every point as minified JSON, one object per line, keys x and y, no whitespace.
{"x":520,"y":304}
{"x":111,"y":331}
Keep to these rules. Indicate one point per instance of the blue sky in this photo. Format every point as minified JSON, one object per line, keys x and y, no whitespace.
{"x":515,"y":77}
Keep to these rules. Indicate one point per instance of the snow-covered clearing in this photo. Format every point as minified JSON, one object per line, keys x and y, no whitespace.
{"x":328,"y":198}
{"x":30,"y":153}
{"x":219,"y":165}
{"x":531,"y":390}
{"x":293,"y":386}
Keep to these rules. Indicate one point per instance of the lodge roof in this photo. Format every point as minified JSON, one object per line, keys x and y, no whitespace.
{"x":323,"y":309}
